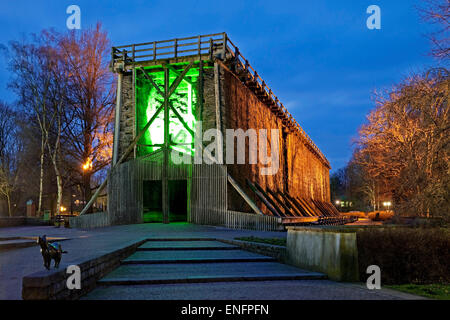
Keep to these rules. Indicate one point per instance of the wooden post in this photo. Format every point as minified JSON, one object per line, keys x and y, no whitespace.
{"x":200,"y":89}
{"x":244,"y":195}
{"x":117,"y":119}
{"x":176,"y":49}
{"x":165,"y":178}
{"x":225,"y":40}
{"x":210,"y":48}
{"x":218,"y":111}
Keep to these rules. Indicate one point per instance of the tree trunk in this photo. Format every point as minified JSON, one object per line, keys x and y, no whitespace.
{"x":87,"y":189}
{"x":9,"y":205}
{"x":41,"y":177}
{"x":59,"y":187}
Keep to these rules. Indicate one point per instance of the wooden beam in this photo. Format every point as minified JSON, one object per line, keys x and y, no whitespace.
{"x":244,"y":195}
{"x":149,"y":78}
{"x":165,"y":177}
{"x":218,"y":107}
{"x":263,"y":192}
{"x":122,"y":158}
{"x":177,"y":81}
{"x":263,"y":199}
{"x":117,"y":119}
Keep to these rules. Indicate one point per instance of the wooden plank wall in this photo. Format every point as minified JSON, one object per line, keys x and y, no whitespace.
{"x":208,"y":198}
{"x":301,"y":173}
{"x":93,"y":220}
{"x":125,"y":187}
{"x":209,"y":194}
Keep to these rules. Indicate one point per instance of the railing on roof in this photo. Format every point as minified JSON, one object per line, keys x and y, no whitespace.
{"x":210,"y":45}
{"x":169,"y":49}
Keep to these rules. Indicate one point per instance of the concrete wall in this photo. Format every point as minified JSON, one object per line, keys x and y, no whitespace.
{"x":21,"y":221}
{"x":324,"y":249}
{"x":52,"y":284}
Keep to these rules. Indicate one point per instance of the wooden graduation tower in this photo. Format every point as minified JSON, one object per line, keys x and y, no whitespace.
{"x":165,"y":89}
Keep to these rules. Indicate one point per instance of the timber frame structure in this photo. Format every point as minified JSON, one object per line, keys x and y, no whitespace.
{"x":219,"y":87}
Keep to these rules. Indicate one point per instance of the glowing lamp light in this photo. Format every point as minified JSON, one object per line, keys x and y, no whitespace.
{"x":62,"y":209}
{"x":337,"y":202}
{"x":87,"y":165}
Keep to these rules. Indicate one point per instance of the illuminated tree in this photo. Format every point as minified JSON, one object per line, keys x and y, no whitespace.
{"x":437,"y":12}
{"x":405,"y":145}
{"x":89,"y":115}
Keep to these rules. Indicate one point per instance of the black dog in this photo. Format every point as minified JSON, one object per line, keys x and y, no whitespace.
{"x":50,"y":251}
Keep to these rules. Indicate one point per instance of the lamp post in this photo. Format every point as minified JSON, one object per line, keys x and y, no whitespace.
{"x":87,"y":166}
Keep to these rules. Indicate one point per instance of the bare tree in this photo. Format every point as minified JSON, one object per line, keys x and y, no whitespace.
{"x":405,"y":146}
{"x":8,"y":148}
{"x":438,"y":12}
{"x":89,"y":113}
{"x":31,"y":82}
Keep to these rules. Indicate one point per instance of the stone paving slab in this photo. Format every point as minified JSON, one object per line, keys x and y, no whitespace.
{"x":84,"y":244}
{"x":258,"y":290}
{"x":205,"y":272}
{"x":15,"y":244}
{"x":194,"y":256}
{"x":186,"y":245}
{"x":22,"y":242}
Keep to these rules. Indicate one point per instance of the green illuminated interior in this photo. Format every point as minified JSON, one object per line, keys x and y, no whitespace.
{"x":148,"y":100}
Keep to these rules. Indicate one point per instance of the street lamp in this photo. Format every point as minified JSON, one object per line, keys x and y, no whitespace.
{"x":387,"y":204}
{"x":86,"y":167}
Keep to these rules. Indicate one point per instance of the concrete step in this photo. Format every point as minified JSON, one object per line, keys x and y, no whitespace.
{"x":194,"y":256}
{"x":134,"y":274}
{"x":154,"y":245}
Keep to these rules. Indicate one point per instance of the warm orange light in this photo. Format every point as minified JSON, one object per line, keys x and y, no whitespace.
{"x":87,"y":165}
{"x":62,"y":209}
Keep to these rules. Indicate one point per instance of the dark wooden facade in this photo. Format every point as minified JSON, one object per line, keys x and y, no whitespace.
{"x":231,"y":95}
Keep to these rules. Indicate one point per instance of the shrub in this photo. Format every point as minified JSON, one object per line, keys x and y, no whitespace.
{"x":359,"y":214}
{"x":382,"y":215}
{"x":405,"y":255}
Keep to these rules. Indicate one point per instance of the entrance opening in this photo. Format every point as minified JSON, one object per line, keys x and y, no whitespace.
{"x":152,"y":201}
{"x":177,"y":200}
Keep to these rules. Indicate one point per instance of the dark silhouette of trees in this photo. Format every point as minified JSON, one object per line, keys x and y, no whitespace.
{"x":66,"y":92}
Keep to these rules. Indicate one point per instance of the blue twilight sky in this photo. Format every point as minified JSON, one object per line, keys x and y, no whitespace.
{"x":318,"y":56}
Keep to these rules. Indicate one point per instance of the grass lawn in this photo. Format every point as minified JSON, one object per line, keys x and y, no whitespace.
{"x":275,"y":241}
{"x":433,"y":291}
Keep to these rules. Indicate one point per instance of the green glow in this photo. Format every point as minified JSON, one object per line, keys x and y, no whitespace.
{"x":148,"y":100}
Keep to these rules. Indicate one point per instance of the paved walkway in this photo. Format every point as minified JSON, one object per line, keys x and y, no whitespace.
{"x":16,"y":263}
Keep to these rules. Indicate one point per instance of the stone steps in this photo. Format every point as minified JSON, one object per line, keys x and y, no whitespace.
{"x":198,"y":273}
{"x":198,"y":260}
{"x":155,"y":245}
{"x":193,"y":256}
